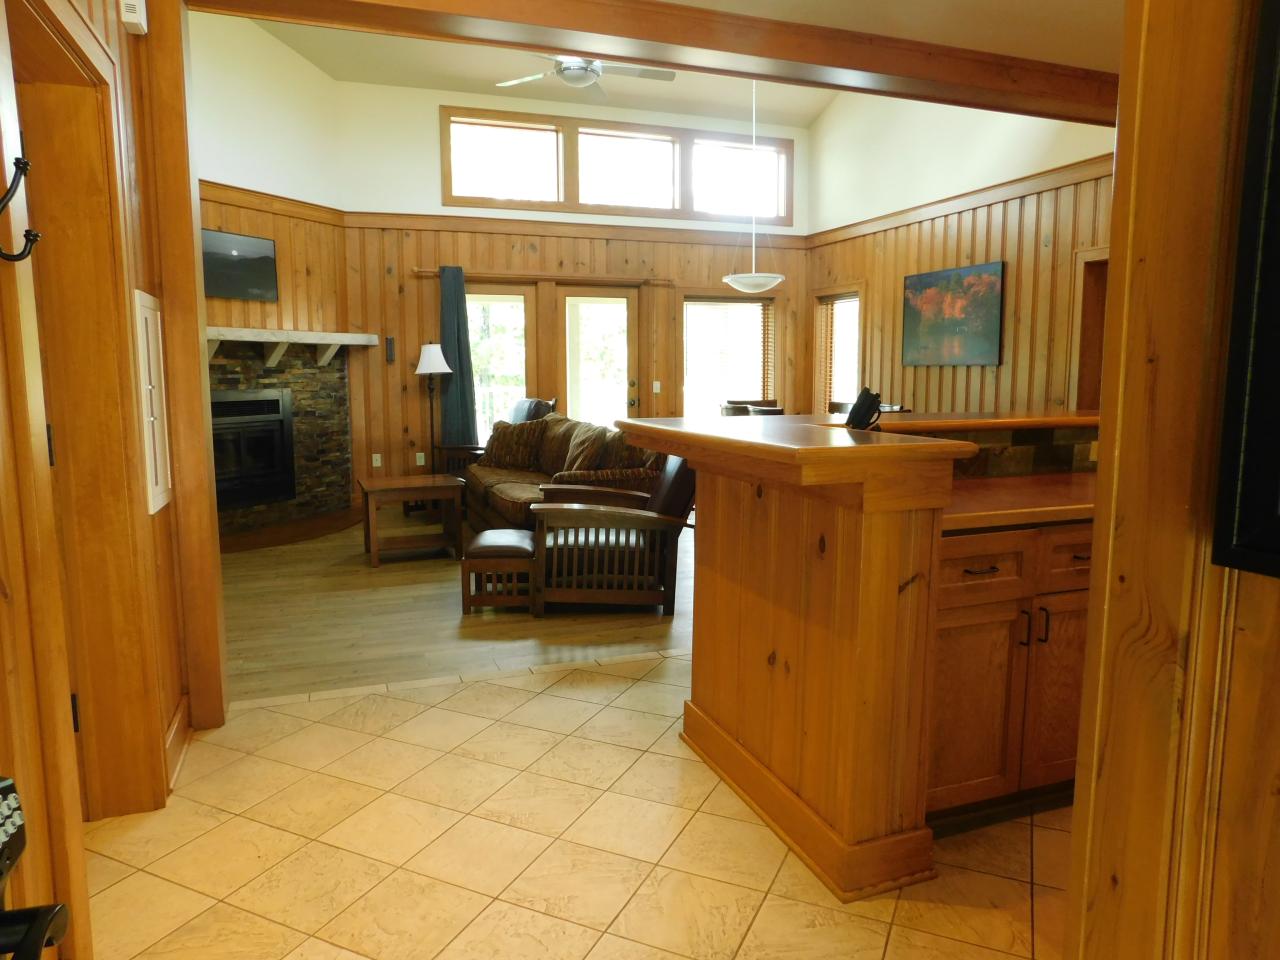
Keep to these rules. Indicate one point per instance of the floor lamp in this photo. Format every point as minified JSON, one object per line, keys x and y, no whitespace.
{"x":431,"y":363}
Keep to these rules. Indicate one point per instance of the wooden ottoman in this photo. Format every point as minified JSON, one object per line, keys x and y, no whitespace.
{"x":497,"y":568}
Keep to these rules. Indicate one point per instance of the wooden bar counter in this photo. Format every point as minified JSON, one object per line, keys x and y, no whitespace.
{"x":814,"y":554}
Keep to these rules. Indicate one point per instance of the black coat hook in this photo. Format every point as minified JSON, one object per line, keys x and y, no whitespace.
{"x":31,"y":238}
{"x":21,"y":167}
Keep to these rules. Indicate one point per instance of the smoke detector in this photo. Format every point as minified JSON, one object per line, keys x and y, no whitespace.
{"x":133,"y":14}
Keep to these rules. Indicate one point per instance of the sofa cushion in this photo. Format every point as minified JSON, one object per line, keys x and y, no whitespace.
{"x":480,"y":478}
{"x":625,"y":478}
{"x":584,"y":451}
{"x":514,"y":445}
{"x":511,"y":502}
{"x":556,"y":439}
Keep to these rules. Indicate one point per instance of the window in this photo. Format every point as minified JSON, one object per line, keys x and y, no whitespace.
{"x":839,"y":320}
{"x":728,"y":353}
{"x":496,"y":327}
{"x":154,"y":410}
{"x":596,"y":368}
{"x":534,"y":162}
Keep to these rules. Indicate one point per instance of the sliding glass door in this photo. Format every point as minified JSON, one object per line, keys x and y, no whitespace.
{"x":498,"y":318}
{"x":600,"y":353}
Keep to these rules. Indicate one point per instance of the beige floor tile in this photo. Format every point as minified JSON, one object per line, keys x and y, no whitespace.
{"x":314,"y":949}
{"x":315,"y":747}
{"x":693,"y":916}
{"x":970,"y":906}
{"x":227,"y":857}
{"x":729,"y":850}
{"x":660,"y":698}
{"x":555,"y":714}
{"x":676,"y":672}
{"x":1002,"y":848}
{"x":1057,"y":819}
{"x":1051,"y":857}
{"x":489,"y":700}
{"x":375,"y":714}
{"x":479,"y":854}
{"x":315,"y":709}
{"x":577,"y":883}
{"x":202,"y":758}
{"x":589,"y":685}
{"x":624,"y":728}
{"x":670,"y":744}
{"x":103,"y":871}
{"x":312,"y":805}
{"x":795,"y":881}
{"x":1049,"y":922}
{"x":428,"y":695}
{"x":540,"y":804}
{"x":458,"y":783}
{"x":224,"y":932}
{"x":679,"y":782}
{"x":509,"y":744}
{"x":631,"y":669}
{"x":908,"y":944}
{"x":382,"y":763}
{"x":252,"y":730}
{"x":724,"y":802}
{"x":238,"y":786}
{"x":392,"y":828}
{"x":131,"y":915}
{"x":610,"y":947}
{"x":438,"y":729}
{"x":790,"y":930}
{"x":311,"y":887}
{"x":406,"y":917}
{"x":629,"y":826}
{"x":586,"y":761}
{"x":533,"y":682}
{"x":141,"y":838}
{"x":512,"y":933}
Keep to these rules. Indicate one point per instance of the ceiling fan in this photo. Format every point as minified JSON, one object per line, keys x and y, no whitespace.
{"x":582,"y":72}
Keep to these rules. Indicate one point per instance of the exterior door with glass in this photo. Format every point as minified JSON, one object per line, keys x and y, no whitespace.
{"x":601,"y":369}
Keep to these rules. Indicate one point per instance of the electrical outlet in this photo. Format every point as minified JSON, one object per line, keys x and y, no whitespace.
{"x":420,"y":458}
{"x":657,"y":386}
{"x":377,"y":459}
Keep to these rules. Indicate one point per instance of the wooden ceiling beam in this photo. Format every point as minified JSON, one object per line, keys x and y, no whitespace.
{"x":692,"y":38}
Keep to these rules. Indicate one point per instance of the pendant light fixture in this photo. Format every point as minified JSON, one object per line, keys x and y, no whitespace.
{"x":753,"y":282}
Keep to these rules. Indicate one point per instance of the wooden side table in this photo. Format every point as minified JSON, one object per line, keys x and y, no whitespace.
{"x":440,"y":488}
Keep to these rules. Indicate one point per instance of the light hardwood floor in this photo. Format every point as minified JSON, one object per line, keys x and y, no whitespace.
{"x":315,"y":616}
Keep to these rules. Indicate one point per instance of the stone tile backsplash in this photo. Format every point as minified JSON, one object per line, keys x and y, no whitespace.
{"x":1020,"y":453}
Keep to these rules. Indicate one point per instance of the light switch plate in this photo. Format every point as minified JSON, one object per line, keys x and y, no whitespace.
{"x":657,"y":386}
{"x":420,"y":458}
{"x":377,"y":459}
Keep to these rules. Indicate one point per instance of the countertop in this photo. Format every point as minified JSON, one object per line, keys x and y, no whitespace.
{"x":1010,"y":501}
{"x":913,"y":423}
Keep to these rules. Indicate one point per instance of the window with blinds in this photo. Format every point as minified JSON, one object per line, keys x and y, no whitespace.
{"x":840,"y":348}
{"x":728,"y":353}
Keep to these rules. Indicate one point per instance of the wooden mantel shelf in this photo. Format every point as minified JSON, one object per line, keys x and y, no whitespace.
{"x":276,"y":342}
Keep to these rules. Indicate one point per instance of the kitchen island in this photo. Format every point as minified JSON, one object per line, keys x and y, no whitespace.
{"x":815,"y":551}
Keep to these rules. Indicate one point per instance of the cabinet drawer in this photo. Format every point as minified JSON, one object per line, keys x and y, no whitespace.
{"x":1066,"y":555}
{"x":985,"y":568}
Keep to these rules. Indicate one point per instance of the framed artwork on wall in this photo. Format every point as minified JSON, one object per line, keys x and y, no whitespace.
{"x":952,"y":318}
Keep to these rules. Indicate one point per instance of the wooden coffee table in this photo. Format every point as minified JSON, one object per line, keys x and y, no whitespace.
{"x":440,"y":488}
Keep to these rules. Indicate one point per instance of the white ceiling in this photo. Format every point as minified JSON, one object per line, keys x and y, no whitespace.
{"x":1080,"y":33}
{"x":472,"y":68}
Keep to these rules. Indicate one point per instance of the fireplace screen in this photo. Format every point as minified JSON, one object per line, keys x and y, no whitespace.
{"x":253,"y":446}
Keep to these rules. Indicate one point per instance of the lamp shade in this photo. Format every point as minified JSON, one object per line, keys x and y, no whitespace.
{"x":431,"y":360}
{"x":753,"y":282}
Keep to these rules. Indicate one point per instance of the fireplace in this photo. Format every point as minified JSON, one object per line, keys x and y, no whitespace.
{"x":253,"y":446}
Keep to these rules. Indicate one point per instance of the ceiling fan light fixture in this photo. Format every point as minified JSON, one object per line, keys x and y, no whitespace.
{"x":579,"y":73}
{"x":753,"y":282}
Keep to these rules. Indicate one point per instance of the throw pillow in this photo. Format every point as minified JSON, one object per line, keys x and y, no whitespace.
{"x":554,"y":448}
{"x":514,"y":446}
{"x":584,"y":450}
{"x":617,"y":454}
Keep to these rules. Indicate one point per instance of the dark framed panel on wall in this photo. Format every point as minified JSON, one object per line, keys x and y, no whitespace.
{"x":1247,"y":528}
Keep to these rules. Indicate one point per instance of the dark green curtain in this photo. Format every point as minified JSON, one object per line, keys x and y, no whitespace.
{"x":458,"y":397}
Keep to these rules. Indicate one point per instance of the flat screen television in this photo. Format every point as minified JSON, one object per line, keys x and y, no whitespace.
{"x":237,"y":267}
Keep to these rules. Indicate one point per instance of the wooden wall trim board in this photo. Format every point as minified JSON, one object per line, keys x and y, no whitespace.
{"x":692,"y":38}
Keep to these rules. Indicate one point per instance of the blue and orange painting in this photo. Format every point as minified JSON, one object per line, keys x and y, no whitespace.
{"x":951,"y":318}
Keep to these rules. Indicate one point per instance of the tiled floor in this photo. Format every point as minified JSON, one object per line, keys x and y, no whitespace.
{"x":539,"y":815}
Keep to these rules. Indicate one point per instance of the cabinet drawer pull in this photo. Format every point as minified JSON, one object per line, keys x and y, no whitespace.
{"x":1026,"y":641}
{"x":1082,"y":556}
{"x":985,"y":571}
{"x":1045,"y":638}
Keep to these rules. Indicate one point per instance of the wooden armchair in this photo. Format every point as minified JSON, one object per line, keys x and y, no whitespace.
{"x":601,"y":545}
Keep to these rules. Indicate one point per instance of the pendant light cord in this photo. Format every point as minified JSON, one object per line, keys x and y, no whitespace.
{"x":751,"y":198}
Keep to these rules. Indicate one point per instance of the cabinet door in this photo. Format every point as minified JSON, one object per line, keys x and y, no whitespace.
{"x":1055,"y":683}
{"x":978,"y":673}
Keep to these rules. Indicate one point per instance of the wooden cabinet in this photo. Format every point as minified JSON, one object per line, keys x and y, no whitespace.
{"x":1006,"y":677}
